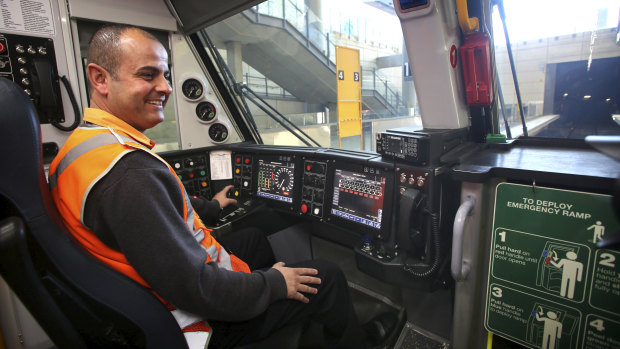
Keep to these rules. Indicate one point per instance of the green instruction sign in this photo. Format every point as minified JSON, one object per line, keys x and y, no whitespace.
{"x":549,"y":286}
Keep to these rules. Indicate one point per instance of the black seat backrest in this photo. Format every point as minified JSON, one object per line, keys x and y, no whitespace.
{"x":78,"y":301}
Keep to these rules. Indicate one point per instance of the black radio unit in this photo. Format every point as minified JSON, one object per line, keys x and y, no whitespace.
{"x":420,"y":147}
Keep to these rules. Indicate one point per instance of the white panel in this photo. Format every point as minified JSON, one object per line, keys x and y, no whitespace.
{"x":192,"y":132}
{"x":142,"y":13}
{"x":429,"y":36}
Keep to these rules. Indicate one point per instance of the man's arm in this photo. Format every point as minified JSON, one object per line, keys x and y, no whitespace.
{"x":137,"y":208}
{"x":209,"y":210}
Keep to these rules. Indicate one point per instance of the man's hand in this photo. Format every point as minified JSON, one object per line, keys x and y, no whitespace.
{"x":223,"y":199}
{"x":297,"y":280}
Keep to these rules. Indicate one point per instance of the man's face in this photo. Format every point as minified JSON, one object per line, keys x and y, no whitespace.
{"x":140,"y":91}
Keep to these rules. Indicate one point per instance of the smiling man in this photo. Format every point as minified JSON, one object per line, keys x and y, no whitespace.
{"x":126,"y":206}
{"x":137,"y":90}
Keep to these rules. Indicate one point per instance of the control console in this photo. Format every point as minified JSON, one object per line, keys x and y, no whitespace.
{"x":193,"y":171}
{"x":313,"y":190}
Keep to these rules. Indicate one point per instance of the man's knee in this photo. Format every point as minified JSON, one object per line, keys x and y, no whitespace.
{"x":329,"y":273}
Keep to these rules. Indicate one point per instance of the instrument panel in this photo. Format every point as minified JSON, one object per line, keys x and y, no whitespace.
{"x":347,"y":189}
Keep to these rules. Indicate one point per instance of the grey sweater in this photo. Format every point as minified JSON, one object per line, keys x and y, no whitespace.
{"x":137,"y":208}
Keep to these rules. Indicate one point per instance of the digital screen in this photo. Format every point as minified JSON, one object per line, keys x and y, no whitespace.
{"x":276,"y":180}
{"x":358,"y":197}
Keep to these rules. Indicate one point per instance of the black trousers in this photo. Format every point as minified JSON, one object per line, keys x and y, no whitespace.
{"x":331,"y":306}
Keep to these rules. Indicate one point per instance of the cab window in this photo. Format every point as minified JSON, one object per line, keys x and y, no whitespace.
{"x":284,"y":52}
{"x":567,"y":63}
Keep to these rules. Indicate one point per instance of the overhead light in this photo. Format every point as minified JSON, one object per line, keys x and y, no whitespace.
{"x":566,"y":94}
{"x":587,"y":97}
{"x":608,"y":99}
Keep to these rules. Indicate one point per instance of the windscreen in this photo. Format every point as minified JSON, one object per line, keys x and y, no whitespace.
{"x":567,"y":66}
{"x":283,"y":53}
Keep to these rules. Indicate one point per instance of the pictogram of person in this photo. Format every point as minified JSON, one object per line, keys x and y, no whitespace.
{"x":552,"y":329}
{"x":572,"y":271}
{"x":599,"y":231}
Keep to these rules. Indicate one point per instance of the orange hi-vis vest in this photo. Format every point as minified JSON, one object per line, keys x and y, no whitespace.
{"x":87,"y":156}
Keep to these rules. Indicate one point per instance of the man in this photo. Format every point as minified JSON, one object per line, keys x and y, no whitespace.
{"x":126,"y":206}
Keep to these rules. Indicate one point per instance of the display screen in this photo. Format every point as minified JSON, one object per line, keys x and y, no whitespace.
{"x":276,"y":180}
{"x":358,"y":197}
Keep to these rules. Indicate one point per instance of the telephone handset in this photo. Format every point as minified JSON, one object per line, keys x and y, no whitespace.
{"x":45,"y":88}
{"x":418,"y":234}
{"x":409,"y":234}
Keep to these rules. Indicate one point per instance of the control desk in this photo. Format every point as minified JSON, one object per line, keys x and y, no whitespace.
{"x":389,"y":205}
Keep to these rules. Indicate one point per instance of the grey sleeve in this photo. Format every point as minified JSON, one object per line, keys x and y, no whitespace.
{"x":138,"y":207}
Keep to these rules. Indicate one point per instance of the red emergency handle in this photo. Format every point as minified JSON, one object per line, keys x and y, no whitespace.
{"x":477,"y":72}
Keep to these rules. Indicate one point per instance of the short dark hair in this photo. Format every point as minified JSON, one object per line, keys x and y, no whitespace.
{"x":104,"y":48}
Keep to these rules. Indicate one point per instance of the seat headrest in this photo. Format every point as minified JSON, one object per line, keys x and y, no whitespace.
{"x":22,"y":178}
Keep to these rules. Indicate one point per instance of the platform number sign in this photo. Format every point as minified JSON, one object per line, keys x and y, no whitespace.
{"x":340,"y":74}
{"x":356,"y":76}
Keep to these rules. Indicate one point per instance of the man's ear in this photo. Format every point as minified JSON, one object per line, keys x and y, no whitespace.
{"x":99,"y":78}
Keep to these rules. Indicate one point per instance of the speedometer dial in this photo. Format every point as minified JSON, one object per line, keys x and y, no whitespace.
{"x":192,"y":89}
{"x":206,"y":112}
{"x":284,"y":179}
{"x":218,"y":133}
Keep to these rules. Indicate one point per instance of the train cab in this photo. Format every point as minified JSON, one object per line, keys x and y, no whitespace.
{"x":458,"y":160}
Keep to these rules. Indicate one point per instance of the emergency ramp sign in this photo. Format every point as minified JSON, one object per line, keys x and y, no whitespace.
{"x":549,"y":286}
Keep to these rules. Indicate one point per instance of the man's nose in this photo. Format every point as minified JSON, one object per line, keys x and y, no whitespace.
{"x":164,"y":86}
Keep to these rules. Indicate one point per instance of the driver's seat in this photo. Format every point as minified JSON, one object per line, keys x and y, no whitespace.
{"x":79,"y":302}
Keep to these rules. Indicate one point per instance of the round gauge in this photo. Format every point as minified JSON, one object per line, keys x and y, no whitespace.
{"x":192,"y":89}
{"x":284,"y":179}
{"x":206,"y":111}
{"x":218,"y":133}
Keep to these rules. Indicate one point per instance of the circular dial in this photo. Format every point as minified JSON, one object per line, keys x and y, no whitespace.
{"x":218,"y":133}
{"x":206,"y":111}
{"x":284,"y":179}
{"x":192,"y":89}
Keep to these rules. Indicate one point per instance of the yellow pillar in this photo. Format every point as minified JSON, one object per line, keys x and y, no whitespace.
{"x":349,"y":89}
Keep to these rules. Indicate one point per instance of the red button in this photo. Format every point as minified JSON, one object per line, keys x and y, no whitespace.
{"x":308,"y":168}
{"x":238,"y":160}
{"x":191,"y":175}
{"x":247,"y":161}
{"x":304,"y":208}
{"x":2,"y":48}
